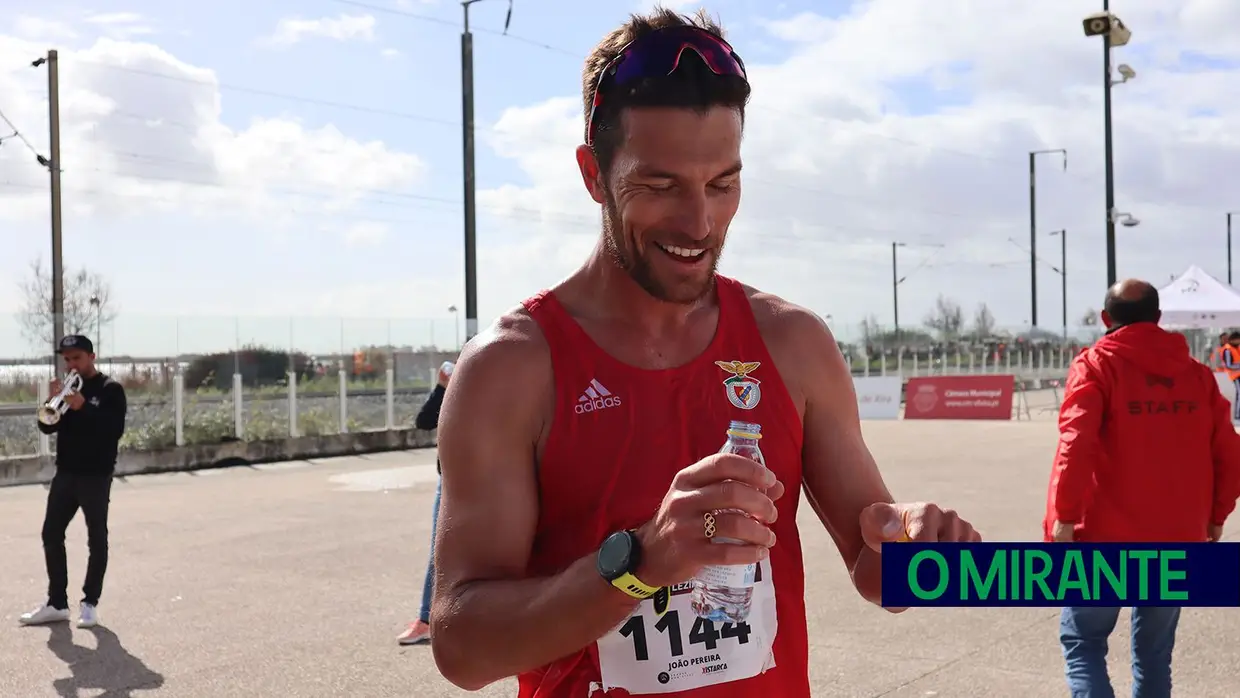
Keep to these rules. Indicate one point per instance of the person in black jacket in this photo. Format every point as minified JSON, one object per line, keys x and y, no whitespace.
{"x":419,"y":631}
{"x":87,"y":440}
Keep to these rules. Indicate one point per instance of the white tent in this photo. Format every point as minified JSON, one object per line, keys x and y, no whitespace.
{"x":1198,"y":300}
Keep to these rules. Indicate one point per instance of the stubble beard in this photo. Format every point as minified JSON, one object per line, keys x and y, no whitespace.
{"x":639,"y":268}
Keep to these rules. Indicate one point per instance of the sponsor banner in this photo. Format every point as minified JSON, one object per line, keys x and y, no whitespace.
{"x":959,"y":397}
{"x":1228,"y":389}
{"x":878,"y":397}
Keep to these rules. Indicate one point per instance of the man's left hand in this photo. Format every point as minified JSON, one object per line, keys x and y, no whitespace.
{"x":75,"y":401}
{"x":1063,"y":532}
{"x":922,"y":522}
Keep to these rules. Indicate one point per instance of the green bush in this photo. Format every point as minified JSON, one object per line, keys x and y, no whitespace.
{"x":259,"y":366}
{"x":215,"y":425}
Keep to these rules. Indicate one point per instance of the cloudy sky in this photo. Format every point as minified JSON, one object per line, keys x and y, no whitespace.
{"x":283,"y":159}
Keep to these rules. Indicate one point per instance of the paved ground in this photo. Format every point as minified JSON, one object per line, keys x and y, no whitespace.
{"x":294,"y":580}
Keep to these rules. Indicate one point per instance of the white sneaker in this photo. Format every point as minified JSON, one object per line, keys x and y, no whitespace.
{"x":89,"y":617}
{"x":44,"y":615}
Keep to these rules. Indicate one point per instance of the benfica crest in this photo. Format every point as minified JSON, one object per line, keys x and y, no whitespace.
{"x":743,"y":390}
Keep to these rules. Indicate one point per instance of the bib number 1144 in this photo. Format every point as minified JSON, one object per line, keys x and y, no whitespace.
{"x":703,"y":632}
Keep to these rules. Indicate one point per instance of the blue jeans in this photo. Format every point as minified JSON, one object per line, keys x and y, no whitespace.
{"x":428,"y":587}
{"x":1083,"y":633}
{"x":1235,"y":413}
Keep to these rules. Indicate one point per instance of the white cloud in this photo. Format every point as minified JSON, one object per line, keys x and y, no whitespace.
{"x":912,"y":121}
{"x":366,"y":234}
{"x":390,"y":53}
{"x":121,"y":25}
{"x":41,"y":29}
{"x":162,"y":141}
{"x":293,"y":30}
{"x":137,"y":145}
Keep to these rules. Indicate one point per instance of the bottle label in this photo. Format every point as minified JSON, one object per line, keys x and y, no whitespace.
{"x":733,"y":576}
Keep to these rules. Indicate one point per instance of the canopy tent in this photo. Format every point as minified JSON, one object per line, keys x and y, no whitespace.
{"x":1198,"y":300}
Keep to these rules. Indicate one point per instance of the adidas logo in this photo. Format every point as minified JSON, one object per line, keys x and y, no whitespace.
{"x":596,"y":398}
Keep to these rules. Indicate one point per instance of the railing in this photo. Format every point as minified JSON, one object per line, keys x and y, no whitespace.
{"x":165,"y":416}
{"x":1043,"y":362}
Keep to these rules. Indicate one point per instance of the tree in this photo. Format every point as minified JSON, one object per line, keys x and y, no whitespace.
{"x":870,"y":329}
{"x":983,"y":322}
{"x":88,"y":304}
{"x":947,"y":318}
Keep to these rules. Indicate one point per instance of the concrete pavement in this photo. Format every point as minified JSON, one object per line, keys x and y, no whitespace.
{"x":293,"y":580}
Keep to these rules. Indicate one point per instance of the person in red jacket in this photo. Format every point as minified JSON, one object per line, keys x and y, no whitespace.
{"x":1147,"y":453}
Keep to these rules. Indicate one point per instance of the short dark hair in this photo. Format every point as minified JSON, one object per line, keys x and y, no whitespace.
{"x":691,"y":86}
{"x":1139,"y":305}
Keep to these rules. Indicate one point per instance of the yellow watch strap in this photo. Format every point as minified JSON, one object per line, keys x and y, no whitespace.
{"x":633,"y":586}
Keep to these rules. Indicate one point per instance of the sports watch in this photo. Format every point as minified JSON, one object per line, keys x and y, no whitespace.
{"x":618,"y":556}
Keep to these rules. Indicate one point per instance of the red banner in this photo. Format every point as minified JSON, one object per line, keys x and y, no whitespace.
{"x":959,"y":397}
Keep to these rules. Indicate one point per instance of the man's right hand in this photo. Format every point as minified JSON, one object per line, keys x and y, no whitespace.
{"x":674,"y":545}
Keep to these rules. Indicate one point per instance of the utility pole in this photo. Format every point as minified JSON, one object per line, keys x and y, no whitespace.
{"x":1033,"y":227}
{"x":467,"y":137}
{"x":1063,"y":277}
{"x":53,"y":168}
{"x":1107,"y":147}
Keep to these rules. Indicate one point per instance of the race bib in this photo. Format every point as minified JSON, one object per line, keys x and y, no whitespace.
{"x":677,"y":651}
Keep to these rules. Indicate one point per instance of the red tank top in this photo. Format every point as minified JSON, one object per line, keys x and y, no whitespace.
{"x":619,"y":435}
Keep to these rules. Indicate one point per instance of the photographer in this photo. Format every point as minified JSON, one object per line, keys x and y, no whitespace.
{"x":87,"y":439}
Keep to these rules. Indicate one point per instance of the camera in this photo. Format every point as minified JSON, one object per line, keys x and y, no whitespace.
{"x":1107,"y":24}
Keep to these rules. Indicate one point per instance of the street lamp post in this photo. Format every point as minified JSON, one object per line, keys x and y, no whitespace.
{"x":98,"y":306}
{"x":896,"y":280}
{"x":1033,"y":227}
{"x":1063,"y":276}
{"x":1229,"y":215}
{"x":895,"y":287}
{"x":1113,"y":33}
{"x":456,"y":335}
{"x":467,"y":137}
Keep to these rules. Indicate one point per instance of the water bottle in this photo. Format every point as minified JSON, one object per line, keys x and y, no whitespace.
{"x":722,"y":593}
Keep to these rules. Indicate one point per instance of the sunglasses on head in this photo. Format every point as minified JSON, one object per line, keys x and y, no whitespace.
{"x":658,"y":54}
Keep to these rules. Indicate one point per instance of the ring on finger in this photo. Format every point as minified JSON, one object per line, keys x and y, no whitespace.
{"x":708,"y":521}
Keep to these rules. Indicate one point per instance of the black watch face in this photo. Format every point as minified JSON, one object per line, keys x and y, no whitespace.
{"x":614,"y":555}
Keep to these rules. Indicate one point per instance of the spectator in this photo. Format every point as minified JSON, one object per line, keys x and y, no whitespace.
{"x":1229,"y":356}
{"x":419,"y":631}
{"x":1147,"y":453}
{"x":1217,"y":360}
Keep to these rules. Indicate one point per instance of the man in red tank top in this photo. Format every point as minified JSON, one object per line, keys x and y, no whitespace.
{"x":582,"y":484}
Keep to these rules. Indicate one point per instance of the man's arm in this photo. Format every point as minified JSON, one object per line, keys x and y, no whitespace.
{"x":1225,"y":449}
{"x":840,"y":476}
{"x":489,"y":621}
{"x":428,"y":416}
{"x":1080,"y":447}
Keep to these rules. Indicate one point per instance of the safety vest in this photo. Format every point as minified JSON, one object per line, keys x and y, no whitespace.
{"x":1231,"y":358}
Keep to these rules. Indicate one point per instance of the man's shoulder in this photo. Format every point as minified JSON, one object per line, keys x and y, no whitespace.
{"x":110,"y":383}
{"x":513,"y":345}
{"x":780,"y":320}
